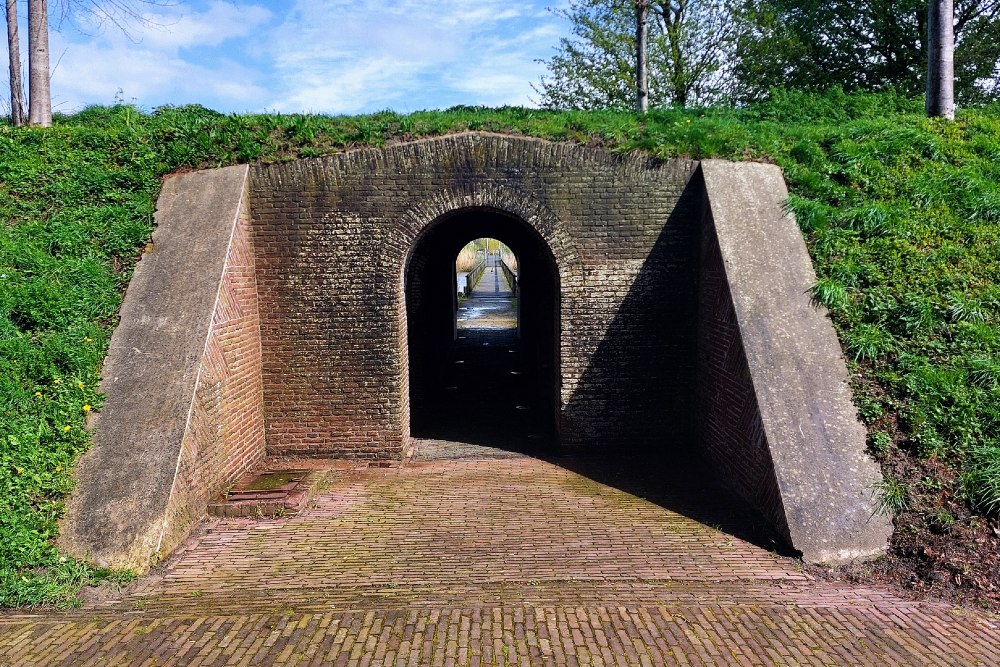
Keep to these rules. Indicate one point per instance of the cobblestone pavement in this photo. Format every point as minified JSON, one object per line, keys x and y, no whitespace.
{"x":497,"y":561}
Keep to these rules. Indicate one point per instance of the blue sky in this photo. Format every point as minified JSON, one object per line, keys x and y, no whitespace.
{"x":325,"y":56}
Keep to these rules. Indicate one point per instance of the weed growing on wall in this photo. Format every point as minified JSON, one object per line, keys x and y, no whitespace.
{"x":901,"y":215}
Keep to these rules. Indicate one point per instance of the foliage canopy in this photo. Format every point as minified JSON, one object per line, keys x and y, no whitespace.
{"x":704,"y":52}
{"x":876,"y":45}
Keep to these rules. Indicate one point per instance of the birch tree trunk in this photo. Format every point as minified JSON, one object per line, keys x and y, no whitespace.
{"x":14,"y":50}
{"x":641,"y":39}
{"x":39,"y":93}
{"x":940,"y":59}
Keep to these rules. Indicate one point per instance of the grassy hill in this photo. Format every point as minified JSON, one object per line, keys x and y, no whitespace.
{"x":901,"y":215}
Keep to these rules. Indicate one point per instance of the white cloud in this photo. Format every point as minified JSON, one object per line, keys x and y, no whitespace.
{"x":222,"y":21}
{"x":349,"y":57}
{"x":174,"y":25}
{"x":505,"y":77}
{"x":95,"y":73}
{"x":150,"y":66}
{"x":332,"y":56}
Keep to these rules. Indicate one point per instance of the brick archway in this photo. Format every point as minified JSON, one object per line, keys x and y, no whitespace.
{"x":682,"y":301}
{"x":622,"y":233}
{"x":430,"y":338}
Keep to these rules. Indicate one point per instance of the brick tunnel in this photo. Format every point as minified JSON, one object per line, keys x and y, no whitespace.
{"x":664,"y":307}
{"x":610,"y":242}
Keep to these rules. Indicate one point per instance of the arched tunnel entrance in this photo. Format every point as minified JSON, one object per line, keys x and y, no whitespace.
{"x":485,"y":385}
{"x":664,"y":308}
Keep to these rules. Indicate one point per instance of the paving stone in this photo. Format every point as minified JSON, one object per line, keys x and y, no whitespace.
{"x":489,"y":561}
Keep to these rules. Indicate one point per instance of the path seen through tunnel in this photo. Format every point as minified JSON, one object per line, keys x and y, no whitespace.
{"x":486,"y":392}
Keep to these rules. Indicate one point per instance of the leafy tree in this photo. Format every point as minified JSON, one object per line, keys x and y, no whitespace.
{"x":688,"y":45}
{"x":876,"y":45}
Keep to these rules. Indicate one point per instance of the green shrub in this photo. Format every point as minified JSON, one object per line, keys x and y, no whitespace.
{"x":982,"y":479}
{"x":891,"y":496}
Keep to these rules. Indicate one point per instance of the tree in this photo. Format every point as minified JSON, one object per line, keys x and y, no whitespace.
{"x":14,"y":51}
{"x":120,"y":13}
{"x":876,"y":45}
{"x":641,"y":48}
{"x":688,"y":42}
{"x":940,"y":59}
{"x":698,"y":35}
{"x":39,"y":92}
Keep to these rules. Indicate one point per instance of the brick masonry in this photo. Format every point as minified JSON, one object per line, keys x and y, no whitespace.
{"x":225,"y":434}
{"x":499,"y":562}
{"x":731,"y":430}
{"x":332,"y":238}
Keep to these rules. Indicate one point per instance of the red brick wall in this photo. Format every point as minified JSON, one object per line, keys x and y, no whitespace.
{"x":732,"y":433}
{"x":225,"y":432}
{"x":333,"y":235}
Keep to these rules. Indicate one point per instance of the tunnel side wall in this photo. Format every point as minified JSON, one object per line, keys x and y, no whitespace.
{"x":183,"y":417}
{"x":332,"y":237}
{"x":774,"y":400}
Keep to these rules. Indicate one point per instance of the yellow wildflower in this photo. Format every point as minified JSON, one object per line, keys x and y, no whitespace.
{"x":67,"y":427}
{"x":38,"y":393}
{"x":56,"y":381}
{"x":86,"y":408}
{"x":79,"y":385}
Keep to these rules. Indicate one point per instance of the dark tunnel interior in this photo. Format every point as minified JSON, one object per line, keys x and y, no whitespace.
{"x":483,"y":386}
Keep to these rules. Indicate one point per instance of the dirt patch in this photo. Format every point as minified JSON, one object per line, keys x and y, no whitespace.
{"x":939,"y":548}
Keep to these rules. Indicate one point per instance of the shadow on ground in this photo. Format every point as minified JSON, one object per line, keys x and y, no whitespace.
{"x":488,"y":399}
{"x":685,"y":486}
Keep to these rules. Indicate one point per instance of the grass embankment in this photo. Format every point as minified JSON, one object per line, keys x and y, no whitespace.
{"x":900,"y":213}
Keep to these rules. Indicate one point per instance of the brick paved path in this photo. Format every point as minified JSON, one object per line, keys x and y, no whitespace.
{"x":495,"y":561}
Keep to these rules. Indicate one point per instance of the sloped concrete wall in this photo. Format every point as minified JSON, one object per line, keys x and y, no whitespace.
{"x":775,"y":404}
{"x":183,"y":416}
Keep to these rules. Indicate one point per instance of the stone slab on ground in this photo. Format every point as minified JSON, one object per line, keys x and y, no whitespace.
{"x":504,"y":561}
{"x":250,"y":499}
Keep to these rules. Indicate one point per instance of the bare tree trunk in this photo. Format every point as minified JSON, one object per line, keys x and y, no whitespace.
{"x":39,"y":93}
{"x":940,"y":59}
{"x":641,"y":38}
{"x":14,"y":50}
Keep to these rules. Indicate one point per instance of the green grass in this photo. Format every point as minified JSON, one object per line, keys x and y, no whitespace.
{"x":900,"y":214}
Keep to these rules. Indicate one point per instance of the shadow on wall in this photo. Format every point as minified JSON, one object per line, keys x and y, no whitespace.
{"x":638,"y":390}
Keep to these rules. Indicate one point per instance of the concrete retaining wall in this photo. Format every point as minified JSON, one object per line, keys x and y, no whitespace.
{"x":183,"y":416}
{"x":774,"y":401}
